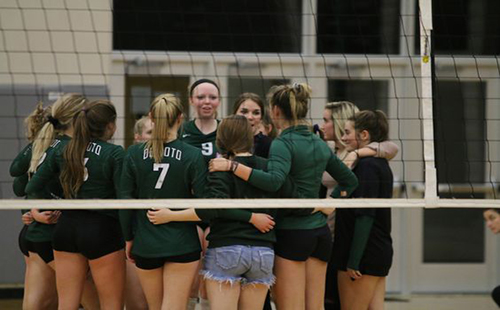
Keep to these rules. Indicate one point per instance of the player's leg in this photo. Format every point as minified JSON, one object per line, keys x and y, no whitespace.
{"x":177,"y":281}
{"x":108,"y":272}
{"x":290,"y":286}
{"x":71,"y":273}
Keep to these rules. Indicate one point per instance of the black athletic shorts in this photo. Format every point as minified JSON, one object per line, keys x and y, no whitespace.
{"x":23,"y":243}
{"x":300,"y":244}
{"x":43,"y":249}
{"x":89,"y":233}
{"x":149,"y":263}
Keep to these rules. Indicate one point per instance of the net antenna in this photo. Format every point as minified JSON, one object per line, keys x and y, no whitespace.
{"x":426,"y":102}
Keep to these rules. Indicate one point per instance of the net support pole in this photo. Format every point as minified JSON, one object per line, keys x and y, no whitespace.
{"x":426,"y":102}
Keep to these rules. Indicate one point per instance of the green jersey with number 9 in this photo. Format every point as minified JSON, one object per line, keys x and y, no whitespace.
{"x":182,"y":173}
{"x":190,"y":134}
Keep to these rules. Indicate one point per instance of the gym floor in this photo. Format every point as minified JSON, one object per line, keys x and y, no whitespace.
{"x":415,"y":302}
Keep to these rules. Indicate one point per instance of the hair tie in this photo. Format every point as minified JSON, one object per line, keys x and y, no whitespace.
{"x":297,"y":87}
{"x":53,"y":121}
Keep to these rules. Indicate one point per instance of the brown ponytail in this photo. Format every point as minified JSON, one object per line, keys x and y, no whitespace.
{"x":88,"y":124}
{"x":375,"y":122}
{"x":165,"y":111}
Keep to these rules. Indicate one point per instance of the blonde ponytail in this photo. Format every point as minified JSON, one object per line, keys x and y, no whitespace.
{"x":165,"y":110}
{"x":293,"y":101}
{"x":59,"y":120}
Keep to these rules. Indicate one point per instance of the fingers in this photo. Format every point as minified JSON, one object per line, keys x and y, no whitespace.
{"x":152,"y":216}
{"x":354,"y":274}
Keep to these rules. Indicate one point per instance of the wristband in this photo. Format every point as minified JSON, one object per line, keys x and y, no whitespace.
{"x":234,"y":165}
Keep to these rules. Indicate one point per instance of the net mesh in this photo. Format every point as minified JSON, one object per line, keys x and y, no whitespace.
{"x":437,"y":83}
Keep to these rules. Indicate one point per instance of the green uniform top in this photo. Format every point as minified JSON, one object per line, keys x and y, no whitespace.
{"x":182,"y":173}
{"x":19,"y":169}
{"x":49,"y":189}
{"x":303,"y":157}
{"x":21,"y":163}
{"x":190,"y":134}
{"x":103,"y":164}
{"x":225,"y":231}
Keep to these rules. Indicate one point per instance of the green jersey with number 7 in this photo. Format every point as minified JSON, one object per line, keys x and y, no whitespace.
{"x":182,"y":173}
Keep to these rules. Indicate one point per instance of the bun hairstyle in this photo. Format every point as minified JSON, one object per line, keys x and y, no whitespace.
{"x":292,"y":100}
{"x":165,"y":110}
{"x":341,"y":112}
{"x":90,"y":123}
{"x":234,"y":135}
{"x":36,"y":120}
{"x":249,"y":96}
{"x":373,"y":121}
{"x":59,"y":119}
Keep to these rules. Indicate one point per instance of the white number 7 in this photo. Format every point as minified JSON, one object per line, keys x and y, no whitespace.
{"x":163,"y":173}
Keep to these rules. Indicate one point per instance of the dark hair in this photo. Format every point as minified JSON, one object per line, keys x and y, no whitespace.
{"x":234,"y":135}
{"x":292,"y":100}
{"x":375,"y":122}
{"x":201,"y":81}
{"x":88,"y":124}
{"x":267,"y":121}
{"x":249,"y":96}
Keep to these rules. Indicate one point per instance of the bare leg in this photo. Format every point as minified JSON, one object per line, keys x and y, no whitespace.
{"x":40,"y":280}
{"x":290,"y":287}
{"x":152,"y":284}
{"x":108,"y":273}
{"x":198,"y":288}
{"x":356,"y":295}
{"x":26,"y":282}
{"x":134,"y":295}
{"x":377,"y":302}
{"x":177,"y":281}
{"x":71,"y":273}
{"x":315,"y":283}
{"x":223,"y":296}
{"x":252,"y":297}
{"x":90,"y":298}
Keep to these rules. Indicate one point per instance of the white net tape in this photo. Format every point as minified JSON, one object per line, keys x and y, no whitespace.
{"x":247,"y":203}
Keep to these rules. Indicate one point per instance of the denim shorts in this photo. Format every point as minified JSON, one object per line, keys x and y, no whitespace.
{"x":239,"y":263}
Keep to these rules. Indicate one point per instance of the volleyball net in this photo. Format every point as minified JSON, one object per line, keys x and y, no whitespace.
{"x":431,"y":66}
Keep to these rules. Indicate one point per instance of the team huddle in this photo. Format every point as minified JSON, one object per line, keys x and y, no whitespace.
{"x":166,"y":259}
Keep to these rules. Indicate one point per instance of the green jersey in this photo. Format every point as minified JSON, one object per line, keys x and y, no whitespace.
{"x":181,"y":173}
{"x":19,"y":170}
{"x":224,"y":229}
{"x":21,"y":163}
{"x":49,"y":189}
{"x":302,"y":156}
{"x":191,"y":135}
{"x":103,"y":164}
